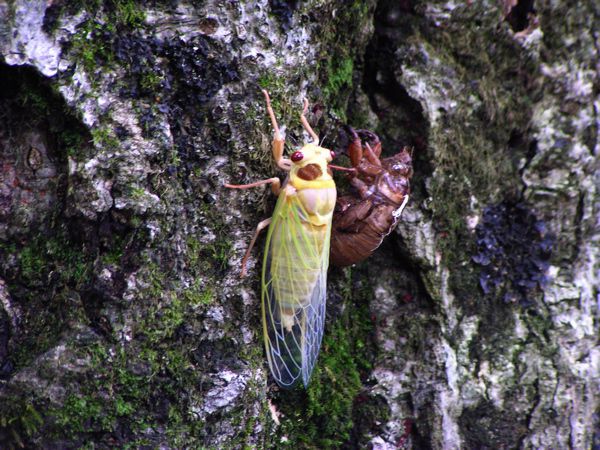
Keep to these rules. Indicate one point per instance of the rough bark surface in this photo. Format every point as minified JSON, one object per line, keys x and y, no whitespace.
{"x":123,"y":320}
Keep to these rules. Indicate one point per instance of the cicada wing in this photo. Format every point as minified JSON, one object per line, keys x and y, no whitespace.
{"x":315,"y":323}
{"x":294,"y":292}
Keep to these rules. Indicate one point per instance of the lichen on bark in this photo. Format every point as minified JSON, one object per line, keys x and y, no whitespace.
{"x":123,"y":320}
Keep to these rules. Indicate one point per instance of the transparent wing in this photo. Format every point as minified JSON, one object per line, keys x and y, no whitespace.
{"x":294,"y":292}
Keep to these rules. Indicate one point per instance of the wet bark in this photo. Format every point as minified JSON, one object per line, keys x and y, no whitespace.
{"x":123,"y":320}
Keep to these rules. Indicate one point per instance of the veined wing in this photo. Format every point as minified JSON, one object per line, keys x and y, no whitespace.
{"x":294,"y":291}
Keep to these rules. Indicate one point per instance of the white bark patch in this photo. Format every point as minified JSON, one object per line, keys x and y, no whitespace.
{"x":450,"y":402}
{"x":228,"y":386}
{"x":28,"y":43}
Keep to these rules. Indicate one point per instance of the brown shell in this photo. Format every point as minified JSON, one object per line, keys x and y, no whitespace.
{"x":365,"y":216}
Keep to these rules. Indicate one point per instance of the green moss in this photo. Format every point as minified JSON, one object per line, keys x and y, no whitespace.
{"x":322,"y":416}
{"x":212,"y":257}
{"x":114,"y":254}
{"x":111,"y":394}
{"x":198,"y":294}
{"x":93,"y":43}
{"x":129,"y":13}
{"x":32,"y":260}
{"x":473,"y":156}
{"x":285,"y":112}
{"x":272,"y":83}
{"x":118,"y":397}
{"x":73,"y":143}
{"x":342,"y":53}
{"x":339,"y":77}
{"x":44,"y":254}
{"x":193,"y":251}
{"x":219,"y":252}
{"x":35,"y":100}
{"x":104,"y":137}
{"x":122,"y":13}
{"x":46,"y":273}
{"x":19,"y":420}
{"x":90,"y":49}
{"x":80,"y":414}
{"x":151,"y":81}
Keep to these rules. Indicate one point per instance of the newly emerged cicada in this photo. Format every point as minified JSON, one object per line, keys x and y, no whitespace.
{"x":294,"y":271}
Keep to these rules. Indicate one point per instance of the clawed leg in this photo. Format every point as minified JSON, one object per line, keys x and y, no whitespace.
{"x":361,"y":187}
{"x":355,"y":151}
{"x":364,"y":158}
{"x":356,"y":148}
{"x":261,"y":226}
{"x":398,"y":212}
{"x":274,"y":182}
{"x":278,"y":139}
{"x":372,"y":139}
{"x":371,"y":156}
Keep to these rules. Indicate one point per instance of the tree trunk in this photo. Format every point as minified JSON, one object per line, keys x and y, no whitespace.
{"x":123,"y":318}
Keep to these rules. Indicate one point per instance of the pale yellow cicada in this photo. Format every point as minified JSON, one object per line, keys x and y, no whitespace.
{"x":294,"y":272}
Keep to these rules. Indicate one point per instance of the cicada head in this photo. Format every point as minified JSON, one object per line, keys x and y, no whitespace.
{"x":399,"y":165}
{"x":394,"y":183}
{"x":310,"y":163}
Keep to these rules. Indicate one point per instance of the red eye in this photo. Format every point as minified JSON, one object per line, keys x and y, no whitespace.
{"x":332,"y":154}
{"x":297,"y":156}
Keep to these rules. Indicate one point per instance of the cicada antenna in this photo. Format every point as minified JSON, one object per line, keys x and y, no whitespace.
{"x":323,"y":140}
{"x":293,"y":141}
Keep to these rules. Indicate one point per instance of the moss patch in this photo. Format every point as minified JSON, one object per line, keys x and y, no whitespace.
{"x":322,"y":416}
{"x":19,"y":420}
{"x":342,"y":54}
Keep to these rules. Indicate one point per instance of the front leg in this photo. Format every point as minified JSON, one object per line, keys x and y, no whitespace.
{"x":274,"y":182}
{"x":276,"y":188}
{"x":371,"y":155}
{"x":278,"y":138}
{"x":355,"y":149}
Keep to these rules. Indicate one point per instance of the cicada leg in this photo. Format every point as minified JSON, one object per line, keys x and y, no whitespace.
{"x":274,"y":182}
{"x":371,"y":156}
{"x":363,"y":158}
{"x":275,"y":187}
{"x":372,"y":139}
{"x":306,"y":125}
{"x":355,"y":151}
{"x":261,"y":226}
{"x":278,"y":139}
{"x":361,"y":187}
{"x":350,"y":170}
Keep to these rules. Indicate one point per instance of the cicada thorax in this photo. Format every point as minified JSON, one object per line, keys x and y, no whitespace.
{"x":364,"y":217}
{"x":313,"y":185}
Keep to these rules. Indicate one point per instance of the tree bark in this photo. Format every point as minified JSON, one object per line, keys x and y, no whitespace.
{"x":123,"y":319}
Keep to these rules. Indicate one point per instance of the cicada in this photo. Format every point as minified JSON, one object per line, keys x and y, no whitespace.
{"x":294,"y":270}
{"x":381,"y":190}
